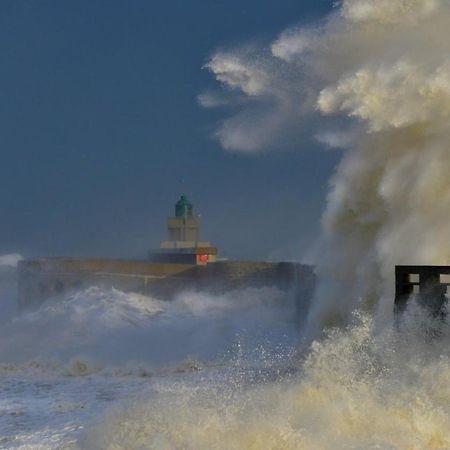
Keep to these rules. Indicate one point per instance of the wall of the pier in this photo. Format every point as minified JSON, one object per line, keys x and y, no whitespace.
{"x":41,"y":279}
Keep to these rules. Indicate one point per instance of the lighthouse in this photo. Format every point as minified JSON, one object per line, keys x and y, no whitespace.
{"x":182,"y":262}
{"x":183,"y":244}
{"x":184,"y":229}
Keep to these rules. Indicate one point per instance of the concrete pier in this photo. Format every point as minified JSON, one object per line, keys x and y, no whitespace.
{"x":43,"y":278}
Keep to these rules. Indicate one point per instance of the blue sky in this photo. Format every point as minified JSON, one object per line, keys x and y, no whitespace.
{"x":101,"y":130}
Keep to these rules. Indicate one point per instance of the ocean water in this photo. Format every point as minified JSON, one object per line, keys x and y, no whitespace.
{"x":85,"y":354}
{"x":101,"y":369}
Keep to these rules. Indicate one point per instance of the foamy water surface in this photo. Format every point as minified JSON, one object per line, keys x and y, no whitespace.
{"x":81,"y":356}
{"x":356,"y":389}
{"x":106,"y":370}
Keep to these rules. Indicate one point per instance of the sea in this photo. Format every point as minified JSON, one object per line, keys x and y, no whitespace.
{"x":104,"y":369}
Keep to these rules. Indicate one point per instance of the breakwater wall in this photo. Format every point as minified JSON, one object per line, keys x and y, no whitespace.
{"x":43,"y":278}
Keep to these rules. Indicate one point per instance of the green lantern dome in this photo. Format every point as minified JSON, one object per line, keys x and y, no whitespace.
{"x":183,"y":207}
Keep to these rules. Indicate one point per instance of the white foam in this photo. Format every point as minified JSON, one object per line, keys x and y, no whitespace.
{"x":355,"y":389}
{"x":64,"y":364}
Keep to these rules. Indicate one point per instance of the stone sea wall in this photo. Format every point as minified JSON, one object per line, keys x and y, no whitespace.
{"x":41,"y":279}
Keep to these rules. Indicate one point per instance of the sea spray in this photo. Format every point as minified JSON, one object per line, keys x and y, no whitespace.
{"x":109,"y":331}
{"x":383,"y":67}
{"x":373,"y":78}
{"x":354,"y":389}
{"x":82,"y":354}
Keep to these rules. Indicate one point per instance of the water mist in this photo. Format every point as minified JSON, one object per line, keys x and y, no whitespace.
{"x":383,"y":68}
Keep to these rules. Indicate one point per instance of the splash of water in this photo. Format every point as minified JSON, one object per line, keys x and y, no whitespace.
{"x":355,"y":389}
{"x":387,"y":205}
{"x":111,"y":332}
{"x":384,"y":66}
{"x":380,"y":68}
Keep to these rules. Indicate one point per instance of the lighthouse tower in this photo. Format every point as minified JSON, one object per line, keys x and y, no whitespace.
{"x":183,"y":244}
{"x":184,"y":229}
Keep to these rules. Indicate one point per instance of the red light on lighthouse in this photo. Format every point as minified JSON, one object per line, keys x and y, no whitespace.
{"x":203,"y":258}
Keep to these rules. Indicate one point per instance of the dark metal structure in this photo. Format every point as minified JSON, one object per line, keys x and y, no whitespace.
{"x":428,"y":283}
